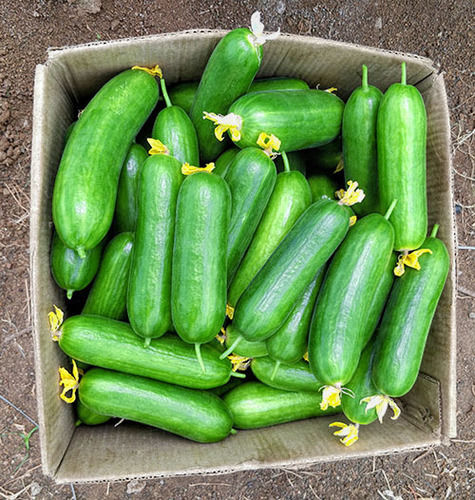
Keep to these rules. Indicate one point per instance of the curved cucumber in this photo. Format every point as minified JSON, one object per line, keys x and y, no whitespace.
{"x":244,"y":347}
{"x":198,"y":296}
{"x":108,"y":295}
{"x":402,"y":335}
{"x":230,"y":70}
{"x":401,"y":132}
{"x":113,"y":344}
{"x":299,"y":118}
{"x":288,"y":377}
{"x":196,"y":415}
{"x":359,"y":143}
{"x":322,"y":185}
{"x":291,"y":196}
{"x":251,"y":179}
{"x":224,"y":161}
{"x":337,"y":330}
{"x":88,"y":417}
{"x":85,"y":188}
{"x":325,"y":158}
{"x":68,"y":269}
{"x":253,"y":405}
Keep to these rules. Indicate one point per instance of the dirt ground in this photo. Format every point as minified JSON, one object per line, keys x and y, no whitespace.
{"x":436,"y":29}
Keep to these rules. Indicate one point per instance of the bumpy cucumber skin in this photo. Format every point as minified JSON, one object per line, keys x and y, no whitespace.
{"x":108,"y":295}
{"x":401,"y":132}
{"x":68,"y":269}
{"x":359,"y":145}
{"x":296,"y":162}
{"x":173,"y":127}
{"x":362,"y":387}
{"x":149,"y":291}
{"x":112,"y":344}
{"x":126,"y":204}
{"x":245,"y":348}
{"x":254,"y":405}
{"x":85,"y":188}
{"x":325,"y":158}
{"x":337,"y":328}
{"x":88,"y":417}
{"x":199,"y":282}
{"x":230,"y":70}
{"x":402,"y":335}
{"x":196,"y":415}
{"x":288,"y":377}
{"x":251,"y":179}
{"x":269,"y":299}
{"x":289,"y":343}
{"x":322,"y":185}
{"x":291,"y":196}
{"x":299,"y":118}
{"x":224,"y":161}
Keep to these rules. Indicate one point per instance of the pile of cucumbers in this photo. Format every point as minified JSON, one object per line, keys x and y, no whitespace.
{"x":259,"y":230}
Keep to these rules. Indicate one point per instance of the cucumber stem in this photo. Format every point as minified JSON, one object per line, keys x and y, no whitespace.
{"x":69,"y":294}
{"x":435,"y":230}
{"x":286,"y":161}
{"x":230,"y":349}
{"x":147,"y":341}
{"x":238,"y":375}
{"x":364,"y":77}
{"x":165,"y":93}
{"x":274,"y":371}
{"x":200,"y":359}
{"x":403,"y":73}
{"x":389,"y":211}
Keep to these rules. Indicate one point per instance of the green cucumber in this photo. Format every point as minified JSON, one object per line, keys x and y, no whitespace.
{"x":337,"y":330}
{"x":196,"y":415}
{"x":325,"y":158}
{"x":69,"y":270}
{"x":254,"y":405}
{"x":223,"y":389}
{"x":230,"y":70}
{"x":401,"y":132}
{"x":289,"y":343}
{"x":174,"y":128}
{"x":85,"y":189}
{"x":149,"y":291}
{"x":126,"y":204}
{"x":245,"y":348}
{"x":198,"y":298}
{"x":108,"y":295}
{"x":224,"y":161}
{"x":301,"y":119}
{"x":322,"y":185}
{"x":360,"y":155}
{"x":67,"y":135}
{"x":297,"y":161}
{"x":89,"y":417}
{"x":182,"y":94}
{"x":251,"y":179}
{"x":287,"y":377}
{"x":112,"y":344}
{"x":402,"y":335}
{"x":291,"y":196}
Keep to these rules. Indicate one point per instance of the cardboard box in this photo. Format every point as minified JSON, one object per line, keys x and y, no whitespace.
{"x":67,"y":79}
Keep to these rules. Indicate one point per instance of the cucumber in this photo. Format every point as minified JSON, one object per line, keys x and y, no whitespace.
{"x":251,"y":179}
{"x":289,"y":343}
{"x":230,"y":70}
{"x":297,"y":161}
{"x":85,"y":188}
{"x":198,"y":298}
{"x":291,"y":196}
{"x":126,"y":204}
{"x":149,"y":291}
{"x":112,"y":344}
{"x":325,"y":158}
{"x":196,"y":415}
{"x":402,"y":335}
{"x":108,"y":295}
{"x":223,"y":389}
{"x":401,"y":132}
{"x":359,"y":143}
{"x":288,"y":377}
{"x":322,"y":185}
{"x":245,"y":348}
{"x":182,"y":94}
{"x":88,"y":417}
{"x":338,"y":326}
{"x":301,"y":119}
{"x":224,"y":161}
{"x":67,"y":135}
{"x":173,"y":127}
{"x":69,"y":270}
{"x":254,"y":405}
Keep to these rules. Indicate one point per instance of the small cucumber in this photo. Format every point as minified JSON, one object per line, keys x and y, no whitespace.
{"x":322,"y":185}
{"x":288,"y":377}
{"x":196,"y":415}
{"x":182,"y":94}
{"x":149,"y":292}
{"x":174,"y":128}
{"x":224,"y":161}
{"x":113,"y":344}
{"x":108,"y":294}
{"x":402,"y":335}
{"x":70,"y":271}
{"x":245,"y":348}
{"x":88,"y":417}
{"x":401,"y":132}
{"x":126,"y":204}
{"x":325,"y":158}
{"x":254,"y":405}
{"x":291,"y":196}
{"x":251,"y":179}
{"x":85,"y":189}
{"x":359,"y":143}
{"x":297,"y":161}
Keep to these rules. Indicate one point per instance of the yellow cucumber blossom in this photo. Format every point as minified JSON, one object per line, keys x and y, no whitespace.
{"x":330,"y":396}
{"x":221,"y":337}
{"x":231,"y":122}
{"x":349,"y":432}
{"x":331,"y":90}
{"x":353,"y":220}
{"x":351,"y":196}
{"x":381,"y":403}
{"x":69,"y":383}
{"x":155,"y":71}
{"x":257,"y":28}
{"x":268,"y":142}
{"x":229,"y":311}
{"x":187,"y":169}
{"x":55,"y":319}
{"x":157,"y":147}
{"x":410,"y":260}
{"x":239,"y":362}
